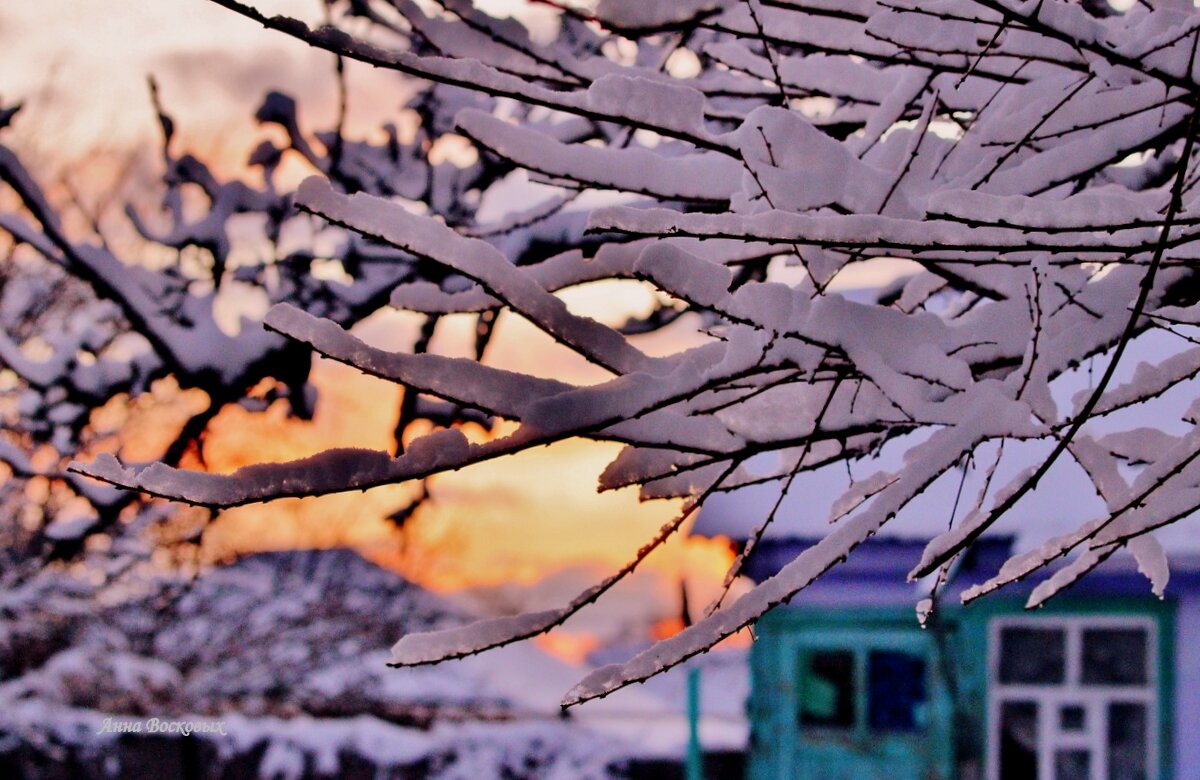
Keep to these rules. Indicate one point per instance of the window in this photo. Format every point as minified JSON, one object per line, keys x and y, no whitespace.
{"x":1114,"y":656}
{"x":1126,"y":740}
{"x":1032,"y":655}
{"x":1018,"y":739}
{"x":895,"y":691}
{"x":1072,"y":717}
{"x":1073,"y":765}
{"x":836,"y":683}
{"x":827,"y":689}
{"x":1072,"y":698}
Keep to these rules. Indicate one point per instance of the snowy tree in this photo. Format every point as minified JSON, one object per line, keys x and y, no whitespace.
{"x":101,"y":316}
{"x":1031,"y":162}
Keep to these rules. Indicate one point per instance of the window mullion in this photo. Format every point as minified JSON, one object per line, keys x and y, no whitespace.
{"x":1045,"y":745}
{"x":1097,"y":715}
{"x":1074,"y":654}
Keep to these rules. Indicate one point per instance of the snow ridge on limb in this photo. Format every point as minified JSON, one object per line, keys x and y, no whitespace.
{"x":327,"y":472}
{"x":475,"y":259}
{"x":706,"y":176}
{"x":467,"y":382}
{"x":567,"y":269}
{"x":939,"y":551}
{"x":1016,"y":155}
{"x":890,"y":233}
{"x":929,"y":461}
{"x":636,"y":16}
{"x":1151,"y":562}
{"x":1140,"y":501}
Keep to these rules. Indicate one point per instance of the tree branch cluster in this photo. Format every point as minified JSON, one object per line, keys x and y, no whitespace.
{"x":1032,"y":161}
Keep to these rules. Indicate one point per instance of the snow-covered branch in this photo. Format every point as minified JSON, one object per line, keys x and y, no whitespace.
{"x":1028,"y":166}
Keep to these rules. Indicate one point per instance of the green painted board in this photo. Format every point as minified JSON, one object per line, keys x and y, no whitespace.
{"x":813,"y":711}
{"x":815,"y":714}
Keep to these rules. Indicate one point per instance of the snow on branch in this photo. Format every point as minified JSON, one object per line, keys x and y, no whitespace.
{"x":905,"y":236}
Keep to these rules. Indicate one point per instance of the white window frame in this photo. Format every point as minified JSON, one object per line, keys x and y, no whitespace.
{"x":1094,"y":698}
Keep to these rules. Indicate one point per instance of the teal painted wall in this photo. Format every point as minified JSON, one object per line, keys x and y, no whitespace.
{"x":971,"y":637}
{"x":783,"y":749}
{"x":954,"y":741}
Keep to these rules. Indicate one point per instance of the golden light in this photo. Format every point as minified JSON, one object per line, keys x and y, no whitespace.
{"x":511,"y":520}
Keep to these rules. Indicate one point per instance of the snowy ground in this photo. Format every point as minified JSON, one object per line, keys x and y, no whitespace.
{"x":286,"y":651}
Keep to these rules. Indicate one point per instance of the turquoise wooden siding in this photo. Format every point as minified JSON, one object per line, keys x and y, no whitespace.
{"x":971,"y":638}
{"x":783,"y":748}
{"x":952,"y":742}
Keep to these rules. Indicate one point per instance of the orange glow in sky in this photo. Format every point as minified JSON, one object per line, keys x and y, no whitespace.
{"x":512,"y":519}
{"x":80,"y":67}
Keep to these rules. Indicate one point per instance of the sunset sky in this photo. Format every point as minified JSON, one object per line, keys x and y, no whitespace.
{"x":80,"y":67}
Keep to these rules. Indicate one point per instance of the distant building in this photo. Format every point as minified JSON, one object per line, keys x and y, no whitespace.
{"x":1102,"y":684}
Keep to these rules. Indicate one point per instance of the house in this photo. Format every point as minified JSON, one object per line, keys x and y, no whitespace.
{"x":1103,"y":683}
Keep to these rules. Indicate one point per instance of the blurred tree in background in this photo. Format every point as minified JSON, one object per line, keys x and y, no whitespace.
{"x":1028,"y":166}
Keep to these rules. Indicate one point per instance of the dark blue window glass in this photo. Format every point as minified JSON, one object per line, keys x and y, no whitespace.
{"x":896,"y":692}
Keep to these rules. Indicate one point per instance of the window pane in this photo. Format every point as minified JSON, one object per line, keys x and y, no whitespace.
{"x":827,"y":689}
{"x":1072,"y":717}
{"x":1114,"y":656}
{"x":1032,"y":655}
{"x":1018,"y":740}
{"x":895,"y":691}
{"x":1127,"y":743}
{"x":1072,"y":765}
